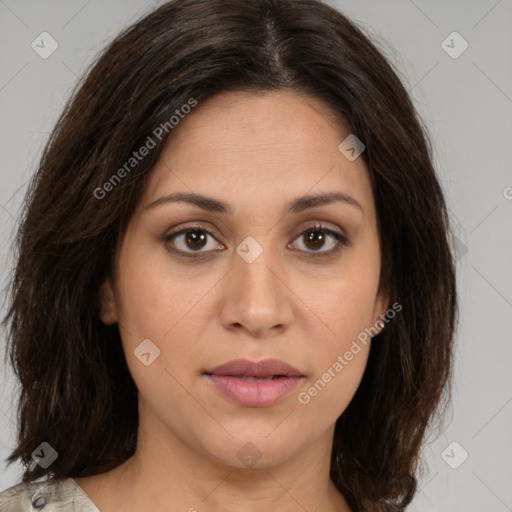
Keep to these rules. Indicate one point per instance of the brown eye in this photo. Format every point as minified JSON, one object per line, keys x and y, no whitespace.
{"x":316,"y":237}
{"x":190,"y":240}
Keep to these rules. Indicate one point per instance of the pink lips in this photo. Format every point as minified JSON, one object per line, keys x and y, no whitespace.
{"x":242,"y":381}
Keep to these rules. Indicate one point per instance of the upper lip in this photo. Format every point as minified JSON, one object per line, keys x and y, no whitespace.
{"x":264,"y":368}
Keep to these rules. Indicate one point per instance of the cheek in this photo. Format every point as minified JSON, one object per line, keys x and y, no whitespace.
{"x":346,"y":302}
{"x":154,"y":308}
{"x":160,"y":305}
{"x":327,"y":396}
{"x":340,"y":353}
{"x":152,"y":299}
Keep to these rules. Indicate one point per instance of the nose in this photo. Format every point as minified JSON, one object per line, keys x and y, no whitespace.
{"x":257,"y":296}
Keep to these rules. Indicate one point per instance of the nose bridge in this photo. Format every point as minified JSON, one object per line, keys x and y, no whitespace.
{"x":257,"y":298}
{"x":253,"y":264}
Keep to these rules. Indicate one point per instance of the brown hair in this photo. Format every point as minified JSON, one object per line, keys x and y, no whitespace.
{"x":76,"y":391}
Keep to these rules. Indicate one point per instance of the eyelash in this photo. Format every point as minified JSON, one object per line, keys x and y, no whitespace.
{"x":342,"y":241}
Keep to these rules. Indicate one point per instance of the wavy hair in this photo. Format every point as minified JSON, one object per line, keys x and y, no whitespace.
{"x":76,"y":390}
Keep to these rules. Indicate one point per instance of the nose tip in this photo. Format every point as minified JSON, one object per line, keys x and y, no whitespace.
{"x":257,"y":297}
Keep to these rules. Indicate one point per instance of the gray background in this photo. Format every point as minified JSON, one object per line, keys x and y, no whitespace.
{"x":466,"y":104}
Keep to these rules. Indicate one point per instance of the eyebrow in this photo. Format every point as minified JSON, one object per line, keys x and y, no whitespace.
{"x":297,"y":205}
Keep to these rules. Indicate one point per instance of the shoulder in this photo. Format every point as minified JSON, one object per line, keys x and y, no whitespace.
{"x":50,"y":496}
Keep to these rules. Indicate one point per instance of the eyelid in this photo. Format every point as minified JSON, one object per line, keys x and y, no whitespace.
{"x":342,"y":241}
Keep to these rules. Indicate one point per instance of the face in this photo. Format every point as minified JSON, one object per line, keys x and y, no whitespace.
{"x":259,"y":276}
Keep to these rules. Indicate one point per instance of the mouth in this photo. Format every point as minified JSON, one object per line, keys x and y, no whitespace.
{"x":265,"y":369}
{"x":255,"y":384}
{"x":250,"y":378}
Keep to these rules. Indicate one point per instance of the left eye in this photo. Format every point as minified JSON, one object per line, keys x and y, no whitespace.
{"x":313,"y":239}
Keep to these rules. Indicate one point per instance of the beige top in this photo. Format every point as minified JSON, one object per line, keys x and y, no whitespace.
{"x":49,"y":496}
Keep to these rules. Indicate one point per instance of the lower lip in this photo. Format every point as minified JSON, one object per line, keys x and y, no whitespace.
{"x":262,"y":393}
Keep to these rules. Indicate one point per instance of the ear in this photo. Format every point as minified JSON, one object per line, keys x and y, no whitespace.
{"x":108,"y":310}
{"x":379,"y":311}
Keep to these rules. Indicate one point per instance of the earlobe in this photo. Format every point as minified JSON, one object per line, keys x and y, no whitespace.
{"x":380,"y":310}
{"x":108,"y":310}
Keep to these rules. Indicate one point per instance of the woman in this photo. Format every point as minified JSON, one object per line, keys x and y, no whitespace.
{"x":234,"y":288}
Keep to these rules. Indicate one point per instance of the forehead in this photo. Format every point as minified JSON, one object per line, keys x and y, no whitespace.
{"x":270,"y":145}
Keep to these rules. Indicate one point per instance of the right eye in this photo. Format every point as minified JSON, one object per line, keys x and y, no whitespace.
{"x":194,"y":238}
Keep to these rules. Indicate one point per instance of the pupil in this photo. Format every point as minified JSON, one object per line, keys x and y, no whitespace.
{"x":314,"y":237}
{"x":194,"y":238}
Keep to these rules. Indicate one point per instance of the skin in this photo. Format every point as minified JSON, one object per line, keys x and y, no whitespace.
{"x":256,"y":153}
